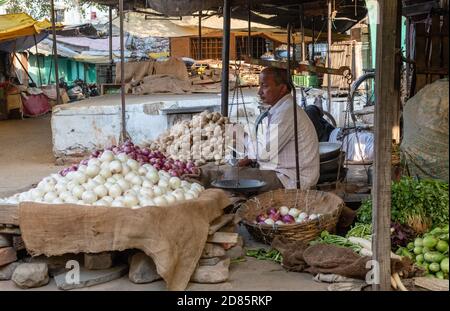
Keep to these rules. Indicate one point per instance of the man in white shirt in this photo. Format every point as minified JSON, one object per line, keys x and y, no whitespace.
{"x":274,"y":148}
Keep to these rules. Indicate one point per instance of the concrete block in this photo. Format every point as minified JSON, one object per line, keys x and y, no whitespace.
{"x":7,"y":255}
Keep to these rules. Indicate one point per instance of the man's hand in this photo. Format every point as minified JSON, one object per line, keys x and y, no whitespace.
{"x":245,"y":162}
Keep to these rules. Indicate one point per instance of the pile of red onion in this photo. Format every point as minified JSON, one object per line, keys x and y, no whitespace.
{"x":275,"y":216}
{"x":157,"y":159}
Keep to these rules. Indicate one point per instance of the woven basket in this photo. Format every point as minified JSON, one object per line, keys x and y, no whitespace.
{"x":308,"y":201}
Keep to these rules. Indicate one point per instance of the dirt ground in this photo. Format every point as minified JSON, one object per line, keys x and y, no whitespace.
{"x":26,"y":157}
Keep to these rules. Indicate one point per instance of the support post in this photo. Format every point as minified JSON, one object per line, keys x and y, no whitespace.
{"x":200,"y":56}
{"x":386,"y":90}
{"x":225,"y":56}
{"x":123,"y":135}
{"x":55,"y":53}
{"x":302,"y":29}
{"x":249,"y":30}
{"x":313,"y":40}
{"x":329,"y":57}
{"x":111,"y":62}
{"x":289,"y":79}
{"x":37,"y":61}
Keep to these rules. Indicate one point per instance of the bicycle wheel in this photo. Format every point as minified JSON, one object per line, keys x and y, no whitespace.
{"x":362,"y":99}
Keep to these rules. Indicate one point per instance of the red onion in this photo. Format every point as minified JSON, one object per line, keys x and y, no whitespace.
{"x":288,"y":219}
{"x":276,"y":216}
{"x":261,"y":218}
{"x":272,"y":210}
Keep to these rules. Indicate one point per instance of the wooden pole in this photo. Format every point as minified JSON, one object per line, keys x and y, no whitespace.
{"x":111,"y":62}
{"x":302,"y":28}
{"x":329,"y":57}
{"x":313,"y":40}
{"x":225,"y":56}
{"x":200,"y":56}
{"x":37,"y":60}
{"x":55,"y":53}
{"x":123,"y":136}
{"x":386,"y":90}
{"x":249,"y":30}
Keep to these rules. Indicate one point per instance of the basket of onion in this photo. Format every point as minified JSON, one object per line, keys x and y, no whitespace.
{"x":296,"y":215}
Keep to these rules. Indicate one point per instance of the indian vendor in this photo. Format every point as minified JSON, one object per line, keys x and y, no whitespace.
{"x":277,"y":167}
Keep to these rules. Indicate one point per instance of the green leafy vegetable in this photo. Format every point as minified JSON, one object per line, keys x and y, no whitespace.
{"x":263,"y":254}
{"x":337,"y":240}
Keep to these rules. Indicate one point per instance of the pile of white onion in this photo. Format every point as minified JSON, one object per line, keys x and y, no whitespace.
{"x":111,"y":180}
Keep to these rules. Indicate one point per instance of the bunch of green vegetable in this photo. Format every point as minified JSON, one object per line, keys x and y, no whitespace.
{"x":337,"y":240}
{"x":360,"y":230}
{"x":421,"y":204}
{"x":263,"y":254}
{"x":430,"y":252}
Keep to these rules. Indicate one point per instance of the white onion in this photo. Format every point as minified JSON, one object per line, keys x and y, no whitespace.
{"x":48,"y":187}
{"x":284,"y":210}
{"x":100,"y":191}
{"x":117,"y":203}
{"x":184,"y":184}
{"x":158,"y":191}
{"x":160,"y":201}
{"x":105,"y":173}
{"x":70,"y":175}
{"x":147,"y":183}
{"x":92,"y":170}
{"x":77,"y":191}
{"x":123,"y":184}
{"x":148,"y":192}
{"x":199,"y":187}
{"x":174,"y":182}
{"x":125,"y":169}
{"x":137,"y":180}
{"x":179,"y":196}
{"x":49,"y":197}
{"x":72,"y":184}
{"x":152,"y":176}
{"x":122,"y":157}
{"x":82,"y":169}
{"x":163,"y":183}
{"x":108,"y":184}
{"x":90,"y":185}
{"x":107,"y":156}
{"x":80,"y":202}
{"x":130,"y":200}
{"x":133,"y":164}
{"x":142,"y":171}
{"x":108,"y":199}
{"x":79,"y":177}
{"x":104,"y":165}
{"x":64,"y":195}
{"x":60,"y":187}
{"x":170,"y":198}
{"x":36,"y":193}
{"x":117,"y":176}
{"x":89,"y":197}
{"x":111,"y":180}
{"x":115,"y":167}
{"x":293,"y":212}
{"x":136,"y":188}
{"x":57,"y":201}
{"x":71,"y":200}
{"x":100,"y":202}
{"x":129,"y":176}
{"x":115,"y":191}
{"x":188,"y":196}
{"x":193,"y":193}
{"x":99,"y":179}
{"x":94,"y":161}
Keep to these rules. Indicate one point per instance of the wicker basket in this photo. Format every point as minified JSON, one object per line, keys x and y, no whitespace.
{"x":308,"y":201}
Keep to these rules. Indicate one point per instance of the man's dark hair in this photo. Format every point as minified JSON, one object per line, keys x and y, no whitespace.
{"x":279,"y":75}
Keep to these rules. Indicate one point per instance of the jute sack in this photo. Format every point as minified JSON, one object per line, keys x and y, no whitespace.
{"x":173,"y":236}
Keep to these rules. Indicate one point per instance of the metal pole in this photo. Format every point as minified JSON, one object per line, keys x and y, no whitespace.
{"x":289,"y":78}
{"x":249,"y":34}
{"x":122,"y":76}
{"x":111,"y":62}
{"x":329,"y":57}
{"x":55,"y":52}
{"x":313,"y":40}
{"x":302,"y":27}
{"x":37,"y":60}
{"x":225,"y":56}
{"x":200,"y":56}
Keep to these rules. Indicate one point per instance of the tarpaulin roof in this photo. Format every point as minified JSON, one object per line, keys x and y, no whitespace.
{"x":17,"y":25}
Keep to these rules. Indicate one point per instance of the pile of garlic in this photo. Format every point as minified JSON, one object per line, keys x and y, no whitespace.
{"x":111,"y":180}
{"x":201,"y":139}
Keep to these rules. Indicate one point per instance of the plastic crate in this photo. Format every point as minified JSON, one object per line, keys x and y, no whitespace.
{"x":305,"y":81}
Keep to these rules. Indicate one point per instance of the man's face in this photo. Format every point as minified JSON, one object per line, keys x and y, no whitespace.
{"x":269,"y":92}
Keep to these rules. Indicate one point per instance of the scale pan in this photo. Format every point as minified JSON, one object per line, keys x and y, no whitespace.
{"x":241,"y":185}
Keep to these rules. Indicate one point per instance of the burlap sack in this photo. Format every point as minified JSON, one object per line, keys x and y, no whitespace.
{"x":174,"y":67}
{"x":173,"y":236}
{"x":135,"y":71}
{"x":162,"y":84}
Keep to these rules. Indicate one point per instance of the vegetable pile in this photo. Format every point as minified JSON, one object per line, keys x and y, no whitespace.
{"x":430,"y":252}
{"x":263,"y":254}
{"x":420,"y":204}
{"x":111,"y":180}
{"x":201,"y":139}
{"x":157,"y":159}
{"x":284,"y":216}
